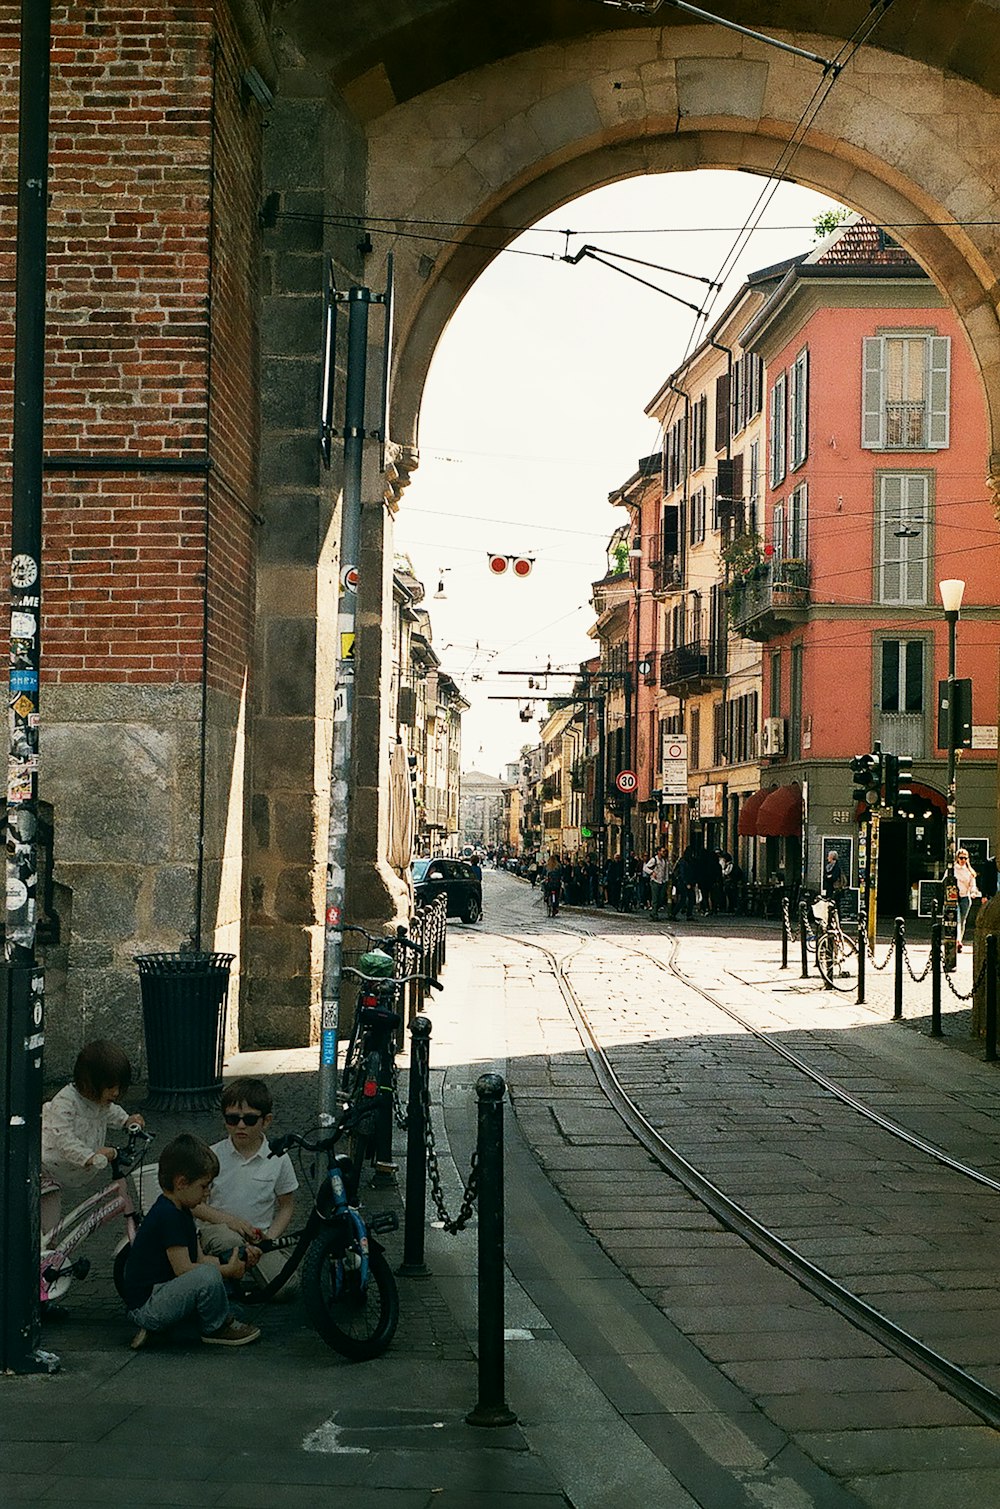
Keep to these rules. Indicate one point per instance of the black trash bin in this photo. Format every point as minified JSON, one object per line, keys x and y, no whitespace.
{"x":184,"y":1022}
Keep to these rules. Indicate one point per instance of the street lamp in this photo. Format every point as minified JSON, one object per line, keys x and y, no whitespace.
{"x":951,"y":598}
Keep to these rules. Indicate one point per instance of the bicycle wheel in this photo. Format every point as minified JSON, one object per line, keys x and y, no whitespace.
{"x":837,"y":959}
{"x":356,"y":1322}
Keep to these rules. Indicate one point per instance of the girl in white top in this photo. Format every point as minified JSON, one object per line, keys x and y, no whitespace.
{"x":75,"y":1122}
{"x":965,"y":877}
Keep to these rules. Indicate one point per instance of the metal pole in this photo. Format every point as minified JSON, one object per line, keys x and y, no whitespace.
{"x":600,"y":797}
{"x":991,"y":998}
{"x":862,"y":957}
{"x":413,"y":1265}
{"x":359,"y":300}
{"x":899,"y":928}
{"x":785,"y":928}
{"x":23,"y":1035}
{"x":491,"y":1407}
{"x":803,"y":940}
{"x":935,"y":974}
{"x":950,"y":929}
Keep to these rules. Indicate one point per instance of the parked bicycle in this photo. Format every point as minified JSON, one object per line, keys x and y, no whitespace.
{"x":836,"y":952}
{"x":368,"y":1079}
{"x":348,"y":1288}
{"x":60,"y":1263}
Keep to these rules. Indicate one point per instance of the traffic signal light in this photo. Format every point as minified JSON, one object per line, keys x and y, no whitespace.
{"x":866,"y":772}
{"x":898,"y":779}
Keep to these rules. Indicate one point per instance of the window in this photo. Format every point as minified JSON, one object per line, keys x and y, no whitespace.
{"x":694,"y":738}
{"x":741,"y":729}
{"x":797,"y":532}
{"x":902,"y":685}
{"x":795,"y":705}
{"x":799,"y":421}
{"x":906,"y":392}
{"x":699,"y":431}
{"x":722,"y":411}
{"x":695,"y":620}
{"x":718,"y":733}
{"x":778,"y":424}
{"x":775,"y":688}
{"x":697,"y":506}
{"x":753,"y":491}
{"x":778,"y":530}
{"x":902,"y":519}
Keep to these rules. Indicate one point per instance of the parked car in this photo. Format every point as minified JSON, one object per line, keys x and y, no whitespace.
{"x":453,"y":878}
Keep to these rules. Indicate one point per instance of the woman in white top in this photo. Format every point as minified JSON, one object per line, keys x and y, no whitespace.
{"x":965,"y":877}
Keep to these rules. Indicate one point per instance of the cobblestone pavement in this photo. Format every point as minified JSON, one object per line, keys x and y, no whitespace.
{"x":651,"y":1358}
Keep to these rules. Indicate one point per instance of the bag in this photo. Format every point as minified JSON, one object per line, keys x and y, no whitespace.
{"x":840,"y":884}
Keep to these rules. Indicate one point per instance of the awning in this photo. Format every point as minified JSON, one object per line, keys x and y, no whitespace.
{"x":780,"y":814}
{"x":747,"y":825}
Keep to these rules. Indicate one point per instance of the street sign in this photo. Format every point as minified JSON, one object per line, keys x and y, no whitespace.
{"x":626,"y":781}
{"x":674,"y":766}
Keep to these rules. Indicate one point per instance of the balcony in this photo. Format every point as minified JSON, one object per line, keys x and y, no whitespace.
{"x":667,"y":575}
{"x":769,"y":599}
{"x":693,"y":667}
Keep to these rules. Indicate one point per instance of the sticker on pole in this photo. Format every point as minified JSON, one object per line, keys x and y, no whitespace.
{"x":626,"y":781}
{"x":23,"y":571}
{"x":347,"y":646}
{"x":349,"y":578}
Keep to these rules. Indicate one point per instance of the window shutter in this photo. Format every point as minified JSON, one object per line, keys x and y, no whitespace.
{"x":914,"y":551}
{"x":778,"y":431}
{"x":939,"y":388}
{"x":872,"y":406}
{"x":800,"y":409}
{"x":721,"y":411}
{"x":778,"y":530}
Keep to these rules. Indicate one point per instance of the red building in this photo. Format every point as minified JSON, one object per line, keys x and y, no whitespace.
{"x":876,"y":433}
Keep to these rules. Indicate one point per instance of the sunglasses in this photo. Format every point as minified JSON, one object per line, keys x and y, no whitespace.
{"x":248,"y":1118}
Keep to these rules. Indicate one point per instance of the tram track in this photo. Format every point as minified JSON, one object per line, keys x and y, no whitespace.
{"x":954,"y":1379}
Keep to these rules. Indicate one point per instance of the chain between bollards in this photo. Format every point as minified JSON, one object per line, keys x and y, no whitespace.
{"x":491,"y":1407}
{"x":803,"y":940}
{"x":862,"y":958}
{"x":786,"y":928}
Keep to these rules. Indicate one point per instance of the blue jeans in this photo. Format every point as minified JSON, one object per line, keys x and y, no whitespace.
{"x":201,"y":1290}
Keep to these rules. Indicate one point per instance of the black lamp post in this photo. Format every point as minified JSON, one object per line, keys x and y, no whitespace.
{"x":951,"y":597}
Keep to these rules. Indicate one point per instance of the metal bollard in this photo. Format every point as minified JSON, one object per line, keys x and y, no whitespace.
{"x":991,"y":998}
{"x":936,"y":975}
{"x":862,"y":958}
{"x":803,"y":940}
{"x":899,"y":939}
{"x":785,"y":929}
{"x":413,"y":1265}
{"x":491,"y":1407}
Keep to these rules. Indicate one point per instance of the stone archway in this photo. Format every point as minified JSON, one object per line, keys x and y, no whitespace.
{"x":896,"y":139}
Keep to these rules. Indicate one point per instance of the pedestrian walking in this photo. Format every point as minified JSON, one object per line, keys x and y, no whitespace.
{"x":657,"y":872}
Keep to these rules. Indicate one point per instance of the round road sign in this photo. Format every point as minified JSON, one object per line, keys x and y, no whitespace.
{"x":625,"y":781}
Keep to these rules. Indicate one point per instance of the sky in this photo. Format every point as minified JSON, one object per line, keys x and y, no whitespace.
{"x":533,"y":412}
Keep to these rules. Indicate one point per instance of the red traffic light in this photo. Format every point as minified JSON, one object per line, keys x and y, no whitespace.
{"x":523,"y":565}
{"x":498,"y":564}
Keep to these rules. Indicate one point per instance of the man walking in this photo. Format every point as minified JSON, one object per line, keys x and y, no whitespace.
{"x":657,"y":871}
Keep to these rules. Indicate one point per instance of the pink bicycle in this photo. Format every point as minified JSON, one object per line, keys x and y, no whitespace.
{"x":60,"y":1265}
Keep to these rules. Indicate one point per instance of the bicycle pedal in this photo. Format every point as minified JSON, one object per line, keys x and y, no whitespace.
{"x":384,"y":1220}
{"x":80,"y":1268}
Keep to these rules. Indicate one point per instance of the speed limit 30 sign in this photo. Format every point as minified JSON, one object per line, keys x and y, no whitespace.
{"x":626,"y":781}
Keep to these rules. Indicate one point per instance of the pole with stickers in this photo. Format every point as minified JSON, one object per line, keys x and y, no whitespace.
{"x":355,"y":433}
{"x":23,"y":1036}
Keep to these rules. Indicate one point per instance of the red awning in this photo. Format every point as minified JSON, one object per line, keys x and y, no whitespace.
{"x":747,"y":826}
{"x":780,"y":814}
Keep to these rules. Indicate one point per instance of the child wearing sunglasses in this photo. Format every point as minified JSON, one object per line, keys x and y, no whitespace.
{"x":254,"y":1194}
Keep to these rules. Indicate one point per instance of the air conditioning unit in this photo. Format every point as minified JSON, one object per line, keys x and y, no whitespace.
{"x":774,"y":736}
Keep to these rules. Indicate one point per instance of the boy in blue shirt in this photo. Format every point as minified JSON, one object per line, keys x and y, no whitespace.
{"x":167,"y":1276}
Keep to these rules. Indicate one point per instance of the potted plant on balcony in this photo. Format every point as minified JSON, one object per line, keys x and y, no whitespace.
{"x":790,"y":581}
{"x":744,"y":560}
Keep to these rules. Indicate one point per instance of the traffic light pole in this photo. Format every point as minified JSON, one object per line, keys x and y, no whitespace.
{"x":949,"y":914}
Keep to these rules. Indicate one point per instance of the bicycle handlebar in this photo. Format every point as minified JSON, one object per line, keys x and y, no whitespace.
{"x":392,"y":979}
{"x":379,"y":940}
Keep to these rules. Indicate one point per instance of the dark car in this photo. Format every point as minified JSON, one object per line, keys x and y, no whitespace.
{"x":453,"y":878}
